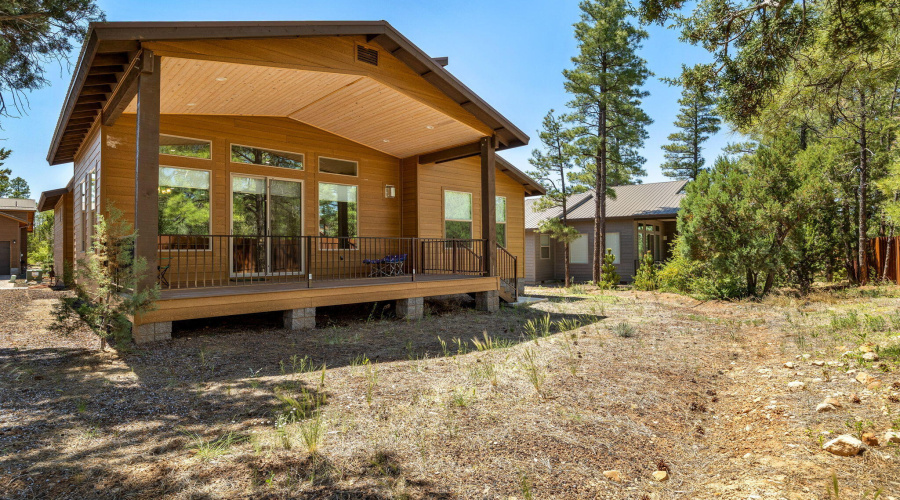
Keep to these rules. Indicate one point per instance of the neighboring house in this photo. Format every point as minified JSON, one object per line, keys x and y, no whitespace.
{"x":282,"y":166}
{"x":640,"y":218}
{"x":16,"y":221}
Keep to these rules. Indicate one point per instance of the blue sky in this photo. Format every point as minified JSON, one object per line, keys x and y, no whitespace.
{"x":511,"y":53}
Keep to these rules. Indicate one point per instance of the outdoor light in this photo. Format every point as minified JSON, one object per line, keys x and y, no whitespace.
{"x":221,"y":79}
{"x":389,"y":191}
{"x":386,"y":140}
{"x":429,"y":127}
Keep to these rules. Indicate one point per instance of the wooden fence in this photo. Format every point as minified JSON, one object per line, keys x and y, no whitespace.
{"x":880,"y":252}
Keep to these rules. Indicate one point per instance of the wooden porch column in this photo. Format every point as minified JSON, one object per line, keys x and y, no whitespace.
{"x":146,"y":175}
{"x":488,"y":202}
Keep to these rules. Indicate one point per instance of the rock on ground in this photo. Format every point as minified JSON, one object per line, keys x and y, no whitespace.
{"x":844,"y":446}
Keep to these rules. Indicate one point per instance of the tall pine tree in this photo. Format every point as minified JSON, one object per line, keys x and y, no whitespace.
{"x":696,"y":122}
{"x":555,"y":168}
{"x":605,"y":85}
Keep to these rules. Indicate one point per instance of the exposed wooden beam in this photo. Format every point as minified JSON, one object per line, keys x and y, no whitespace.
{"x":90,"y":98}
{"x":450,"y":154}
{"x":443,"y":61}
{"x":82,"y":121}
{"x":106,"y":70}
{"x":488,"y":201}
{"x":125,"y":91}
{"x":100,"y":80}
{"x":86,"y":106}
{"x":83,"y":114}
{"x":97,"y":89}
{"x":146,"y":185}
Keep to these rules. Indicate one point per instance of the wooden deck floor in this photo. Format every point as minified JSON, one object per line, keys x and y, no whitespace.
{"x":262,"y":287}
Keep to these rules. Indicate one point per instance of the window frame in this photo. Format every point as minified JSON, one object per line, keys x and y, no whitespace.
{"x":271,"y":150}
{"x":587,"y":240}
{"x":471,"y":220}
{"x":541,"y":246}
{"x":618,"y":255}
{"x":497,"y":222}
{"x":210,"y":231}
{"x":82,"y":189}
{"x":208,"y":141}
{"x":319,"y":168}
{"x":319,"y":217}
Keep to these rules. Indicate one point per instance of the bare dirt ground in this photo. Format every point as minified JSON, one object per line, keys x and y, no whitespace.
{"x":546,"y":400}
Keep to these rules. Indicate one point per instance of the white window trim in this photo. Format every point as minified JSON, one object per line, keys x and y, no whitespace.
{"x":273,"y":150}
{"x":358,"y":214}
{"x":209,"y":141}
{"x":541,"y":246}
{"x":319,"y":170}
{"x":208,"y":229}
{"x":471,"y":211}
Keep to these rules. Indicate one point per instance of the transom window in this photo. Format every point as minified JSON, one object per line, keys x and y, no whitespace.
{"x":457,"y":215}
{"x":268,"y":157}
{"x":184,"y":146}
{"x":545,"y":246}
{"x":338,"y":216}
{"x":184,"y":209}
{"x":338,"y":167}
{"x":500,"y":217}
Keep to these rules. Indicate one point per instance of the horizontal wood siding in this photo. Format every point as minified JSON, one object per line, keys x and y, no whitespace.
{"x":87,"y":159}
{"x":465,"y":176}
{"x":543,"y":269}
{"x":583,"y":272}
{"x":9,"y":232}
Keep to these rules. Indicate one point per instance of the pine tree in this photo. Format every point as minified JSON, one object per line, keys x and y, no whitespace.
{"x":696,"y":122}
{"x":606,"y":97}
{"x":4,"y":172}
{"x":555,"y":169}
{"x":18,"y":188}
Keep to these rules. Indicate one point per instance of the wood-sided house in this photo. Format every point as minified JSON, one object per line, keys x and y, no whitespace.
{"x":641,"y":218}
{"x":16,"y":221}
{"x":274,"y":166}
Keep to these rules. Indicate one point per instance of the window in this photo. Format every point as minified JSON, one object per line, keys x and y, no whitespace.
{"x":184,"y":146}
{"x":84,"y":222}
{"x":183,"y":208}
{"x":268,"y":157}
{"x":500,"y":217}
{"x":545,"y":246}
{"x":338,"y":167}
{"x":578,"y":250}
{"x":338,"y":216}
{"x":457,"y":215}
{"x":95,"y":197}
{"x":612,"y":243}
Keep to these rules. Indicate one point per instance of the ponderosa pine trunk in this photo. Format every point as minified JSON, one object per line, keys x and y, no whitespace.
{"x":862,"y":255}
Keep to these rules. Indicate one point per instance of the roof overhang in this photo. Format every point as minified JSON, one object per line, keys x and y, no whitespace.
{"x":49,"y":199}
{"x":109,"y":50}
{"x":532,"y":187}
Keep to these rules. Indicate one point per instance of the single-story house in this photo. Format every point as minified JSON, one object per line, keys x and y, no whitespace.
{"x":283,"y":166}
{"x":16,"y":221}
{"x":641,"y":217}
{"x":60,"y":201}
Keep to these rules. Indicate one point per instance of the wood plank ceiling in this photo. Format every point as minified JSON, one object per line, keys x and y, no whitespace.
{"x":356,"y":107}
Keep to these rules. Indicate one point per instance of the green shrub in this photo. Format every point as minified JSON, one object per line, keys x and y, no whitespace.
{"x":609,"y":278}
{"x":646,"y":276}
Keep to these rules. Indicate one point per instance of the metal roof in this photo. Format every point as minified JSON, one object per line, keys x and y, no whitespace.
{"x":632,"y":201}
{"x":17,"y":204}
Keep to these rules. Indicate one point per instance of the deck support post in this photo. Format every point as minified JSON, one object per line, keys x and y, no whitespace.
{"x":488,"y":301}
{"x":412,"y":308}
{"x":303,"y":318}
{"x":488,"y":202}
{"x":151,"y":332}
{"x":146,"y":186}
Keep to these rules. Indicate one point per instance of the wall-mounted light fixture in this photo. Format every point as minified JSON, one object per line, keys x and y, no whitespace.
{"x":389,"y":191}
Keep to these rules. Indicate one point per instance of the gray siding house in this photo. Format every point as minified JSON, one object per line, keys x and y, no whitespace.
{"x":641,"y":218}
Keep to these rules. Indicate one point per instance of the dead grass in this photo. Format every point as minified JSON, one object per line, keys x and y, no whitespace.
{"x":460,"y":404}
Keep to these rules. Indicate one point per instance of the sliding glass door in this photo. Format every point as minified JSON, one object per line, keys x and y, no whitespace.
{"x":266,"y":221}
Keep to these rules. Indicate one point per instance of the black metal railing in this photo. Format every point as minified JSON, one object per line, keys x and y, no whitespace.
{"x":198,"y":261}
{"x":507,"y":271}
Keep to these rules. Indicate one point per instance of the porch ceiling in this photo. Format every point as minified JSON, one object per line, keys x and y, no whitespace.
{"x":353,"y":106}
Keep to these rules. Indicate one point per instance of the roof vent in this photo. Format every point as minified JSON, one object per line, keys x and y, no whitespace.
{"x":367,"y":55}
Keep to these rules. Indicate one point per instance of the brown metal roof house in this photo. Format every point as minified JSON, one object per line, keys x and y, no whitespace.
{"x":640,"y":218}
{"x":282,"y":166}
{"x":16,"y":221}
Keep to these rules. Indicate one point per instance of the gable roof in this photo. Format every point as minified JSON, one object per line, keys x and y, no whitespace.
{"x":116,"y":42}
{"x":16,"y":204}
{"x":49,"y":199}
{"x":632,"y":201}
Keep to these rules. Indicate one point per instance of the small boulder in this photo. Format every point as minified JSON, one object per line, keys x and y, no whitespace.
{"x":870,"y":356}
{"x":864,"y":378}
{"x":613,"y":475}
{"x":844,"y":446}
{"x":789,"y":364}
{"x":875,"y":384}
{"x":796,"y":385}
{"x":818,"y":363}
{"x":870,"y":439}
{"x":825,"y":407}
{"x":833,"y":402}
{"x":892,"y":437}
{"x":660,"y":476}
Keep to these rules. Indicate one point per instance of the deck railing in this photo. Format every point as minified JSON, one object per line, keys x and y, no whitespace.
{"x":507,"y":271}
{"x":198,"y":261}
